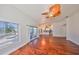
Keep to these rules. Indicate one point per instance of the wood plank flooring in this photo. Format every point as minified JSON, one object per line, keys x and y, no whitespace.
{"x":48,"y":45}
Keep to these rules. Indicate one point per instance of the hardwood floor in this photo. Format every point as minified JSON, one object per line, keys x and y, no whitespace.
{"x":48,"y":45}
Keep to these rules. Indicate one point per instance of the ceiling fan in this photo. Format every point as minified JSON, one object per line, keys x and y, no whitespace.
{"x":53,"y":11}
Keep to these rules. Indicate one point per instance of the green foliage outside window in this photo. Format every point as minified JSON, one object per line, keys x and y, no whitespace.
{"x":9,"y":29}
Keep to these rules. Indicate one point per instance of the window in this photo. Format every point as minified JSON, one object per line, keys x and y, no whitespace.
{"x":8,"y":30}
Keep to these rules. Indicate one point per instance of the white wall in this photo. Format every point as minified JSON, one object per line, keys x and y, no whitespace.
{"x":11,"y":14}
{"x":59,"y":28}
{"x":73,"y":28}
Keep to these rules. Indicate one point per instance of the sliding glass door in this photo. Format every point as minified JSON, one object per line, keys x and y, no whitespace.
{"x":33,"y":32}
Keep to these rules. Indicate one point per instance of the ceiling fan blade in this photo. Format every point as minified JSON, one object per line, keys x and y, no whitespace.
{"x":45,"y":13}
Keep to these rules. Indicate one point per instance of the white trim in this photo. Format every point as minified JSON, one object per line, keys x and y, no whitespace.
{"x":14,"y":49}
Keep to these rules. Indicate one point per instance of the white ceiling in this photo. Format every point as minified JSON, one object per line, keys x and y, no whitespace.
{"x":34,"y":10}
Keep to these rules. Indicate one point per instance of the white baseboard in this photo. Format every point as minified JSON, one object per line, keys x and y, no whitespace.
{"x":14,"y":49}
